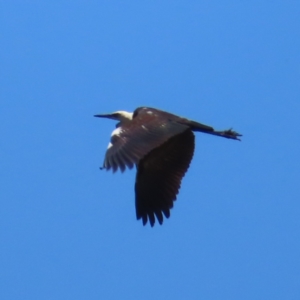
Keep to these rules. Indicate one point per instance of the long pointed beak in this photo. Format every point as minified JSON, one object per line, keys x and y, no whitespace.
{"x":109,"y":116}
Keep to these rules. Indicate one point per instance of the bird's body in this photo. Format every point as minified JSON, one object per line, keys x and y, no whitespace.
{"x":161,"y":145}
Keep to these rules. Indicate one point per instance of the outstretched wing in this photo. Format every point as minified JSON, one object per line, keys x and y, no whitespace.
{"x":159,"y":176}
{"x":130,"y":142}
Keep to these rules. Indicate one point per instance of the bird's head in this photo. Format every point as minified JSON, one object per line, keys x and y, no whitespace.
{"x":120,"y":115}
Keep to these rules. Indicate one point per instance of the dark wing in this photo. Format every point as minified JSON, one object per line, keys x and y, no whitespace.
{"x":130,"y":142}
{"x":159,"y":176}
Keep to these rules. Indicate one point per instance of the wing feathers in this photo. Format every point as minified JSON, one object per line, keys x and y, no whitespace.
{"x":129,"y":162}
{"x":137,"y":138}
{"x":159,"y":176}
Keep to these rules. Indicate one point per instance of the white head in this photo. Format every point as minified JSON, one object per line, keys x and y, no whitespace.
{"x":122,"y":116}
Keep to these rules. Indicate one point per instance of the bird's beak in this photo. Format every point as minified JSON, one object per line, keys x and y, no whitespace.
{"x":109,"y":116}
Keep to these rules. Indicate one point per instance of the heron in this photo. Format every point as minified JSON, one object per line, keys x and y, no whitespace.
{"x":161,"y":146}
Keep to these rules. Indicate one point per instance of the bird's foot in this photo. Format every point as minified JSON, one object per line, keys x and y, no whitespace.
{"x":230,"y":134}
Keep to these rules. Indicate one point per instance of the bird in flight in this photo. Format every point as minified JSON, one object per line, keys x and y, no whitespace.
{"x":161,"y":145}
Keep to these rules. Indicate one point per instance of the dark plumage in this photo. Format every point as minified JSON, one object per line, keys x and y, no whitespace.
{"x":161,"y":145}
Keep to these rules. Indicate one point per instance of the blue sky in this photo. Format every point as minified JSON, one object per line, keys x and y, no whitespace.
{"x":68,"y":230}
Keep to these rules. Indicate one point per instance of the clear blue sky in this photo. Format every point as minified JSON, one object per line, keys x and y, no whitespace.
{"x":68,"y":230}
